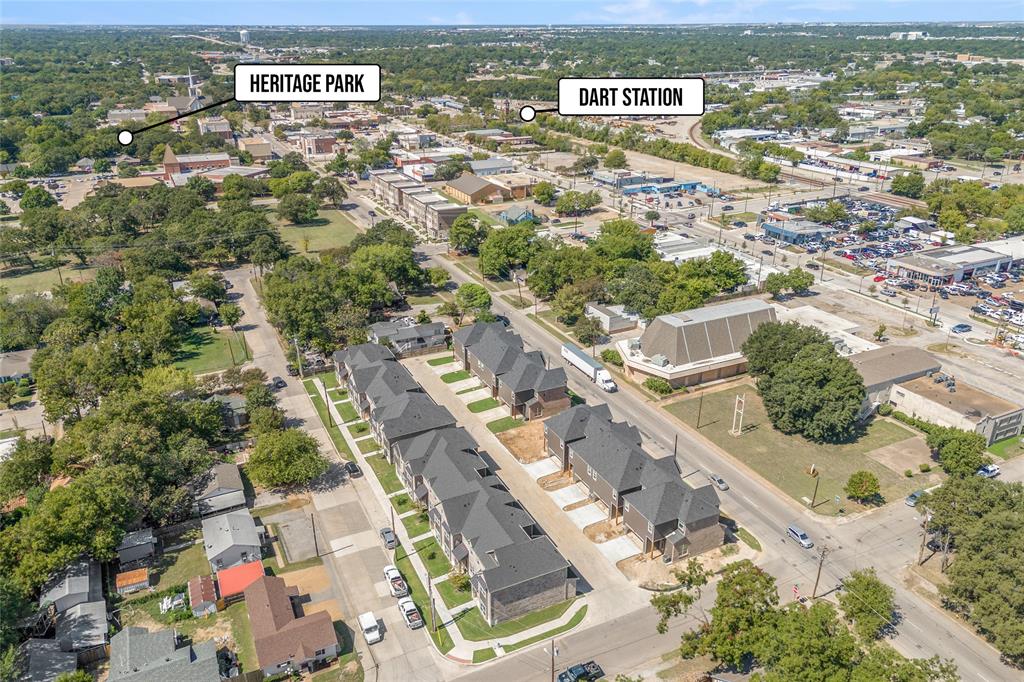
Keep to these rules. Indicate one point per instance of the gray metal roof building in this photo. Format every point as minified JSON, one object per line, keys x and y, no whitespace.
{"x":138,"y":655}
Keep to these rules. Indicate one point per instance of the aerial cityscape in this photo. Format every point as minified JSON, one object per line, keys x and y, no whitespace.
{"x":416,"y":341}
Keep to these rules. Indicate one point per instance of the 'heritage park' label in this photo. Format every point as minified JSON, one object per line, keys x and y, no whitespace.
{"x":307,"y":83}
{"x":630,"y":96}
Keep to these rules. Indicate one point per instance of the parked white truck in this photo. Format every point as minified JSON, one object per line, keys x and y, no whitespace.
{"x":578,"y":358}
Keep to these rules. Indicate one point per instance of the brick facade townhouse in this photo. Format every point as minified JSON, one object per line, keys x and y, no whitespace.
{"x":518,"y":378}
{"x":645,"y":494}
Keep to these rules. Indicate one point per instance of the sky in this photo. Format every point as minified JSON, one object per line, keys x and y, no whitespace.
{"x":443,"y":13}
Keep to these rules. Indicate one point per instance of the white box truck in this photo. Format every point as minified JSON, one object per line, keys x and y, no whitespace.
{"x":578,"y":358}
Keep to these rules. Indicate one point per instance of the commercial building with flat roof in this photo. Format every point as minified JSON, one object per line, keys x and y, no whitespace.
{"x":797,"y":231}
{"x":948,"y":264}
{"x":884,"y":367}
{"x":941,"y":399}
{"x":696,"y":346}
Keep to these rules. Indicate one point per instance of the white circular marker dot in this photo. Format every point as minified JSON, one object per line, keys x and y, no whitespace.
{"x":125,"y":137}
{"x":527,"y":113}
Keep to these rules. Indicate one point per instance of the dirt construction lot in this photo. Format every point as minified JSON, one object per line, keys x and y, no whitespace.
{"x":525,"y":443}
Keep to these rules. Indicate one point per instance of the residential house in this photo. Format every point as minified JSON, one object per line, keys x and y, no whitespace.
{"x":222,"y":490}
{"x":284,"y":642}
{"x":138,"y":655}
{"x":202,"y":595}
{"x":80,"y":582}
{"x":518,"y":214}
{"x":234,"y":581}
{"x":136,"y":545}
{"x":41,"y":660}
{"x":218,"y":126}
{"x":518,"y":378}
{"x":232,"y":409}
{"x":645,"y":494}
{"x":83,"y":630}
{"x":612,"y":318}
{"x":405,"y":337}
{"x":16,"y":364}
{"x":408,"y":415}
{"x":231,"y":539}
{"x":471,"y":189}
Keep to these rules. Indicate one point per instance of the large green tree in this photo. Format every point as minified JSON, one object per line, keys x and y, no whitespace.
{"x":284,"y":458}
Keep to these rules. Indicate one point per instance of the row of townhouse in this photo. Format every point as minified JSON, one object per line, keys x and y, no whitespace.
{"x":645,"y":494}
{"x":483,"y":530}
{"x":520,"y":379}
{"x":413,"y":200}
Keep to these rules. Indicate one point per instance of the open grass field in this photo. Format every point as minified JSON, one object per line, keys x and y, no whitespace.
{"x":25,"y":281}
{"x":331,"y":230}
{"x":175,"y":568}
{"x":474,"y":628}
{"x":485,"y":217}
{"x":209,"y":350}
{"x":784,"y":460}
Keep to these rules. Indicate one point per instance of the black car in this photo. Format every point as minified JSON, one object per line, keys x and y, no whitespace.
{"x":293,"y":371}
{"x":353,"y":470}
{"x":581,"y":672}
{"x":278,"y":382}
{"x":728,"y":207}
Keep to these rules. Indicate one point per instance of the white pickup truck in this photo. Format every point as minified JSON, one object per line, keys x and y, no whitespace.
{"x":396,"y":583}
{"x":578,"y":358}
{"x":410,"y":614}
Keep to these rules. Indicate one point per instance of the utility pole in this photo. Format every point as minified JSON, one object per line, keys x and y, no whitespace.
{"x":298,"y":358}
{"x":814,"y":496}
{"x":700,"y":408}
{"x":817,"y":578}
{"x":316,"y":546}
{"x":675,"y":445}
{"x":430,"y":594}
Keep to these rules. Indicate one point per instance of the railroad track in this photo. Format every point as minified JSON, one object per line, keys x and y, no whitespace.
{"x":893,"y":200}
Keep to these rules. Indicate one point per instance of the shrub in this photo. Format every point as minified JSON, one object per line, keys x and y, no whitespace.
{"x":657,"y":385}
{"x":730,"y":549}
{"x":459,"y":581}
{"x":885,"y":409}
{"x":431,"y":555}
{"x":612,"y":357}
{"x":924,"y":467}
{"x":909,"y":473}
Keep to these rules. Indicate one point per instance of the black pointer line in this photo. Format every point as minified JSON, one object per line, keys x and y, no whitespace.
{"x":188,"y":113}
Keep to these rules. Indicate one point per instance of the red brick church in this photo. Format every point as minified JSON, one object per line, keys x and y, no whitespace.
{"x":174,"y":164}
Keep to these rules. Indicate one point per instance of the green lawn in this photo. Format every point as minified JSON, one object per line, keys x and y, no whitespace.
{"x":337,"y":394}
{"x":485,"y":217}
{"x":417,"y":524}
{"x":474,"y":628}
{"x":451,"y":596}
{"x":330,"y":230}
{"x":550,"y":329}
{"x":469,"y":390}
{"x":1008,"y":448}
{"x":576,"y":619}
{"x":209,"y":350}
{"x":483,"y":405}
{"x":359,"y":429}
{"x":747,"y":537}
{"x":505,"y":424}
{"x":241,"y":631}
{"x":441,"y":361}
{"x":746,"y":217}
{"x":423,"y":299}
{"x":442,"y":640}
{"x":333,"y":431}
{"x":175,"y":568}
{"x":329,"y":379}
{"x":457,"y":375}
{"x":402,"y":503}
{"x":784,"y":460}
{"x":367,"y":445}
{"x":21,"y":281}
{"x":347,"y":412}
{"x":385,"y":474}
{"x":432,"y":557}
{"x":483,"y":655}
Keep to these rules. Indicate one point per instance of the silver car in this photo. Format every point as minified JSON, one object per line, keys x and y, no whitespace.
{"x":718,"y":481}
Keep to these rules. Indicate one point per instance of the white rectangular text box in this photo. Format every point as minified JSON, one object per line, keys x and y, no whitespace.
{"x":307,"y":82}
{"x":630,"y":96}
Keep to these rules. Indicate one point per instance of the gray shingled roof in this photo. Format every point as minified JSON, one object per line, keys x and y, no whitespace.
{"x":384,"y":382}
{"x":399,"y":330}
{"x":224,"y":531}
{"x":411,"y":413}
{"x":43,"y":660}
{"x":222,"y":477}
{"x":416,"y":452}
{"x":138,"y":655}
{"x":674,"y":500}
{"x":498,"y":350}
{"x":82,"y":578}
{"x":528,"y":372}
{"x":83,"y":626}
{"x":471,"y":335}
{"x":136,"y":538}
{"x":523,"y":561}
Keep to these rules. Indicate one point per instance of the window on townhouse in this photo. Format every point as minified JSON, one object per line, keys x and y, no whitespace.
{"x":590,"y":471}
{"x":650,"y":527}
{"x":626,"y":506}
{"x":320,"y":652}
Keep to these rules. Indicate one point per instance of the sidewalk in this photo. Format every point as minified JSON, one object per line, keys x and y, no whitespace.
{"x":463,"y":650}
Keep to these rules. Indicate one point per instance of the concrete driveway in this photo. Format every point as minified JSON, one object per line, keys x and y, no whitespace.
{"x":618,"y":549}
{"x":478,"y":394}
{"x":541,"y":468}
{"x":584,"y":516}
{"x":572,"y":494}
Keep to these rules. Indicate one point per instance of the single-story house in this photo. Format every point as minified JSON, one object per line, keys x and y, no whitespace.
{"x":232,"y":409}
{"x":16,"y":364}
{"x":132,"y":581}
{"x":136,"y":545}
{"x":42,"y":660}
{"x":231,"y":539}
{"x":408,"y":338}
{"x":202,"y":595}
{"x":283,"y":641}
{"x":83,"y":628}
{"x":80,"y":582}
{"x":138,"y":655}
{"x":517,"y":214}
{"x":222,"y":490}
